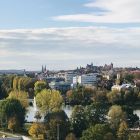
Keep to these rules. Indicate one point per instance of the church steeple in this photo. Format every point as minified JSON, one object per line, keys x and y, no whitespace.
{"x":42,"y":68}
{"x":45,"y":68}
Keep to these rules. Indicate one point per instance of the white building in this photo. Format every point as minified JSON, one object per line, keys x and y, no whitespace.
{"x":121,"y":87}
{"x":69,"y":77}
{"x":86,"y":79}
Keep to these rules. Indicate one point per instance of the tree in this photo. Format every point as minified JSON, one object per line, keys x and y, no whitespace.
{"x":134,"y":136}
{"x":129,"y":78}
{"x":58,"y":115}
{"x":26,"y":84}
{"x":115,"y":97}
{"x":78,"y":120}
{"x":130,"y":96}
{"x":10,"y":108}
{"x":100,"y":96}
{"x":39,"y":86}
{"x":131,"y":118}
{"x":6,"y":85}
{"x":122,"y":131}
{"x":13,"y":124}
{"x":36,"y":129}
{"x":49,"y":100}
{"x":22,"y":96}
{"x":95,"y":113}
{"x":97,"y":132}
{"x":116,"y":115}
{"x":57,"y":128}
{"x":80,"y":95}
{"x":15,"y":83}
{"x":71,"y":136}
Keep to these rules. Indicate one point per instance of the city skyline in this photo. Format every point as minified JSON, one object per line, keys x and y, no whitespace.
{"x":66,"y":34}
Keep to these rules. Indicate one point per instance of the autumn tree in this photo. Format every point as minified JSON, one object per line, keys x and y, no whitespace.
{"x":49,"y":100}
{"x":116,"y":116}
{"x":36,"y":129}
{"x":22,"y":96}
{"x":123,"y":131}
{"x":70,"y":136}
{"x":13,"y":124}
{"x":115,"y":97}
{"x":134,"y":136}
{"x":39,"y":86}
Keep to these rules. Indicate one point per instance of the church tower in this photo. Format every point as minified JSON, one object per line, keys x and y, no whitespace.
{"x":42,"y":69}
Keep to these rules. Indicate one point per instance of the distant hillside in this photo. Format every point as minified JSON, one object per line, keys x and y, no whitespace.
{"x":11,"y":71}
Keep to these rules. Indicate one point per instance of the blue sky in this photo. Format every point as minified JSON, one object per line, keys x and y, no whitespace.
{"x":64,"y":34}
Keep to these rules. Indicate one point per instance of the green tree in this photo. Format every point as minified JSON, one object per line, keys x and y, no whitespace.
{"x":55,"y":128}
{"x":128,"y":78}
{"x":57,"y":115}
{"x":95,"y":113}
{"x":6,"y":83}
{"x":131,"y":118}
{"x":78,"y":120}
{"x":10,"y":108}
{"x":97,"y":132}
{"x":80,"y":95}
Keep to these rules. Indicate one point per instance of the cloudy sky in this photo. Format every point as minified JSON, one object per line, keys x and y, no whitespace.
{"x":64,"y":34}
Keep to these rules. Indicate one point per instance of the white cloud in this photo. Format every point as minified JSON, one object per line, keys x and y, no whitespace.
{"x":66,"y":47}
{"x":113,"y":11}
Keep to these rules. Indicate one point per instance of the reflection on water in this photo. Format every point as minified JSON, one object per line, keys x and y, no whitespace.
{"x":137,"y":112}
{"x":68,"y":110}
{"x":31,"y":111}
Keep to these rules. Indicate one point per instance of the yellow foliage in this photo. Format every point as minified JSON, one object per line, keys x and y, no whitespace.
{"x":13,"y":124}
{"x":36,"y":129}
{"x":21,"y":96}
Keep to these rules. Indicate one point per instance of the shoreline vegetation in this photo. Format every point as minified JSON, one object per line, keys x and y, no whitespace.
{"x":96,"y":111}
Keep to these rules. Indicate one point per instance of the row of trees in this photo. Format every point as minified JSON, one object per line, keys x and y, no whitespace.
{"x":14,"y":94}
{"x":85,"y":96}
{"x":10,"y":83}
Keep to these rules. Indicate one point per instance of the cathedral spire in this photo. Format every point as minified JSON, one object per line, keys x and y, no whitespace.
{"x":42,"y":68}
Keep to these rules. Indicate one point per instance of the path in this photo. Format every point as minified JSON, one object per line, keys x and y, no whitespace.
{"x":14,"y":135}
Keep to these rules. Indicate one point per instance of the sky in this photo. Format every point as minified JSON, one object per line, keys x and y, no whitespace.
{"x":64,"y":34}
